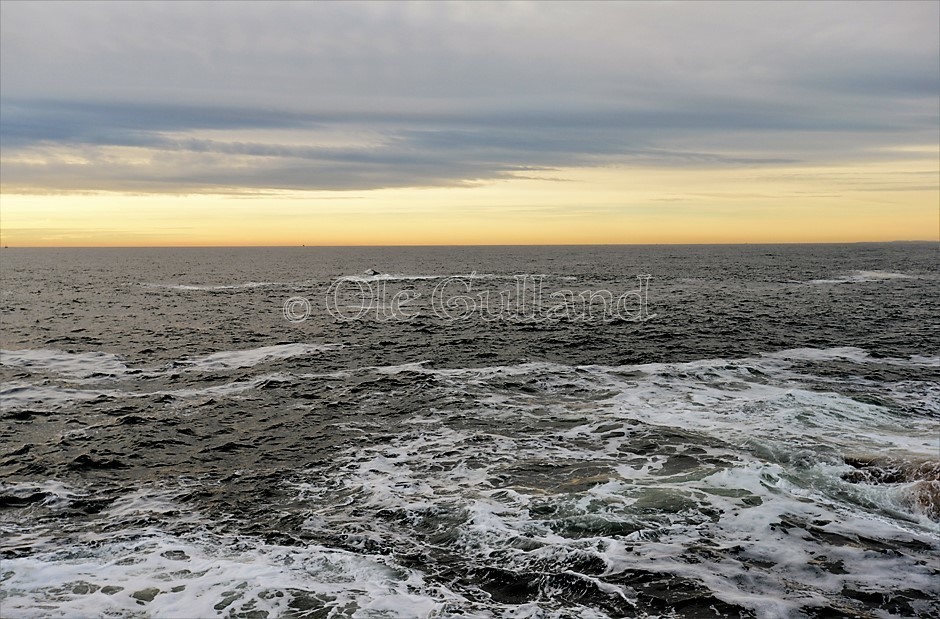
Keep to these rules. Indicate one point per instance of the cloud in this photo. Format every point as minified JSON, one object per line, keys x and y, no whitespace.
{"x":206,"y":97}
{"x":29,"y":121}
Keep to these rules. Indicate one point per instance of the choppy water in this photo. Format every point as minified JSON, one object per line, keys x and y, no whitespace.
{"x":767,"y":445}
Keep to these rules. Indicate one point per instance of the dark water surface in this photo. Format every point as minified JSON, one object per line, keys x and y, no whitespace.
{"x":768,"y":444}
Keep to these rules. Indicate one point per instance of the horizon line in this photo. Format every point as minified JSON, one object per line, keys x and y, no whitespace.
{"x":302,"y":246}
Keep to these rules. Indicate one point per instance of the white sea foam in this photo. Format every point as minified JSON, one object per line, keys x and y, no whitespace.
{"x":232,"y":359}
{"x":762,"y":398}
{"x":44,"y":397}
{"x":862,"y":276}
{"x":730,"y":406}
{"x":425,"y":475}
{"x":100,"y":364}
{"x":211,"y":287}
{"x":151,"y":572}
{"x":745,"y":493}
{"x":853,"y":354}
{"x":83,"y":368}
{"x":381,"y":277}
{"x":70,"y":364}
{"x":228,"y":389}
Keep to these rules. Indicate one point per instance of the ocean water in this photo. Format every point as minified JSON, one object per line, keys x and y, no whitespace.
{"x":761,"y":439}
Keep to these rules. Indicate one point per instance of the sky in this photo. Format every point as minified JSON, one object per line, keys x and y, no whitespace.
{"x":426,"y":123}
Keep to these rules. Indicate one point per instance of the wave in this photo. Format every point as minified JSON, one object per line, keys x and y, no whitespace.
{"x":232,"y":359}
{"x":40,"y":397}
{"x":916,"y":482}
{"x":228,"y":389}
{"x":93,"y":367}
{"x":728,"y":482}
{"x":462,"y":276}
{"x":379,"y":277}
{"x":594,"y":503}
{"x":770,"y":406}
{"x":103,"y":365}
{"x":854,"y":277}
{"x":93,"y":364}
{"x":853,"y":355}
{"x":207,"y":287}
{"x":133,"y":564}
{"x":18,"y":396}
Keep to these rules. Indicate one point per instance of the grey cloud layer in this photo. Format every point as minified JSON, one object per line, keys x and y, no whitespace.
{"x":202,"y":94}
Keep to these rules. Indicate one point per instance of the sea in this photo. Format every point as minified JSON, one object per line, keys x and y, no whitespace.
{"x":514,"y":432}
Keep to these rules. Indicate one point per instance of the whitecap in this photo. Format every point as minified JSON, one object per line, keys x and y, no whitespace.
{"x":862,"y":276}
{"x":42,"y":396}
{"x":75,"y":365}
{"x":211,"y":287}
{"x":233,"y":359}
{"x":143,"y":569}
